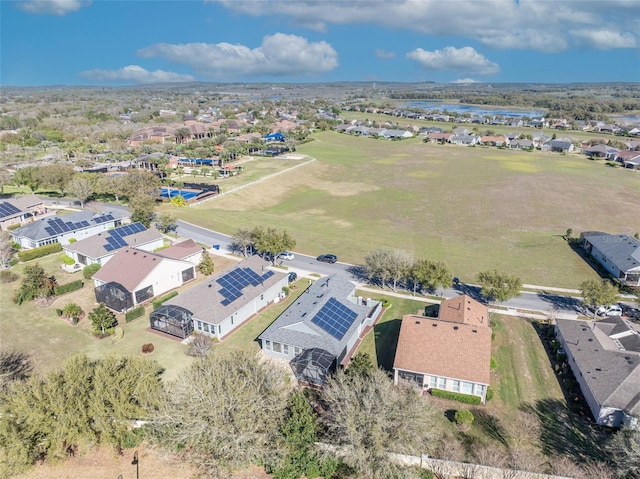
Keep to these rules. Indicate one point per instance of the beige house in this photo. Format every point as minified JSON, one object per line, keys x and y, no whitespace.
{"x":20,"y":210}
{"x":450,"y":352}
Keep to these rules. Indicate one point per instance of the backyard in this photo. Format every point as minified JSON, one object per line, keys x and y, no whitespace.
{"x":474,"y":208}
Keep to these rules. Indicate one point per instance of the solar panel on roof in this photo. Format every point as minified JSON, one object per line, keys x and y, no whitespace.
{"x":7,"y":209}
{"x":335,"y":318}
{"x":50,"y":230}
{"x":109,"y":247}
{"x":235,"y":281}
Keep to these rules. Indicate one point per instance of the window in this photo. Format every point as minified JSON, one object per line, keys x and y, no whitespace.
{"x":188,"y":274}
{"x":285,"y":349}
{"x":277,"y":347}
{"x":262,"y":297}
{"x":456,"y":385}
{"x":479,"y":389}
{"x":432,"y":381}
{"x":442,"y":383}
{"x":267,"y":345}
{"x":198,"y":325}
{"x":467,"y":388}
{"x":231,"y":320}
{"x":297,"y":351}
{"x":417,"y":379}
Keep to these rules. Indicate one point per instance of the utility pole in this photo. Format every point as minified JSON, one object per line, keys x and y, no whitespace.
{"x":136,"y":463}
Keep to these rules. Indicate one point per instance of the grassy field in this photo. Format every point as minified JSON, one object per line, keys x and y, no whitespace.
{"x":475,"y":208}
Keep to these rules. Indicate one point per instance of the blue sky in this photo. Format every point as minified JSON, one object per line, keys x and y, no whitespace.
{"x":122,"y":42}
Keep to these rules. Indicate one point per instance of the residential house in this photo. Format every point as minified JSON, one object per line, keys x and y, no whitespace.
{"x":396,"y":134}
{"x":559,"y":145}
{"x":326,"y":321}
{"x":101,"y":247}
{"x":521,"y":144}
{"x":187,"y":250}
{"x":439,"y":137}
{"x":540,"y":139}
{"x":466,"y":140}
{"x":451,"y":351}
{"x":222,"y":303}
{"x":630,"y":159}
{"x":63,"y":229}
{"x":605,"y":359}
{"x":618,"y":254}
{"x":601,"y":151}
{"x":461,"y":131}
{"x":132,"y":277}
{"x":20,"y":210}
{"x":495,"y":140}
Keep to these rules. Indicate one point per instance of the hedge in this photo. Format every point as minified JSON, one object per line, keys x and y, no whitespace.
{"x":460,"y":397}
{"x":89,"y":271}
{"x":156,"y":303}
{"x":29,"y":254}
{"x":67,"y":288}
{"x":134,"y":314}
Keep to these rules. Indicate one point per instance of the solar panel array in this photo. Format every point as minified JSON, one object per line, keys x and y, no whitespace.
{"x":235,"y":281}
{"x":58,"y":226}
{"x":7,"y":209}
{"x":115,"y":237}
{"x":102,"y":218}
{"x":334,"y":318}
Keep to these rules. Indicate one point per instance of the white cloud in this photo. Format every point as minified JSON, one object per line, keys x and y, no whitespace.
{"x":135,"y":74}
{"x":605,"y":39}
{"x":52,"y":7}
{"x":279,"y":55}
{"x":464,"y":81}
{"x":451,"y":59}
{"x":549,"y":26}
{"x":384,"y":54}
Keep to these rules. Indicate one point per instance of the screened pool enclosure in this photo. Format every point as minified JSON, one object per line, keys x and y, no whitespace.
{"x":313,"y":366}
{"x":172,"y":320}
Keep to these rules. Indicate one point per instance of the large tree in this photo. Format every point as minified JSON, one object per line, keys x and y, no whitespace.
{"x":243,"y":240}
{"x":430,"y":274}
{"x":35,"y":284}
{"x":271,"y":241}
{"x":499,"y":286}
{"x":223,"y":412}
{"x":377,"y":265}
{"x":367,"y":418}
{"x":56,"y":176}
{"x":102,"y":318}
{"x":142,"y":208}
{"x":82,"y":188}
{"x":625,"y":452}
{"x":27,"y":176}
{"x":596,"y":292}
{"x":7,"y":249}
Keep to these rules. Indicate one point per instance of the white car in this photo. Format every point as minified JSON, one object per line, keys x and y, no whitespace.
{"x":611,"y":310}
{"x":288,"y":255}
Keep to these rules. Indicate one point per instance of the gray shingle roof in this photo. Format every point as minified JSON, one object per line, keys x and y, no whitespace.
{"x":206,"y":302}
{"x":622,"y":250}
{"x":94,"y":246}
{"x":22,"y":203}
{"x":294,"y":326}
{"x":612,"y":374}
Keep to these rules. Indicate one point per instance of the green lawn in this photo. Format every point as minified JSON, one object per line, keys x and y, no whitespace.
{"x":474,"y":208}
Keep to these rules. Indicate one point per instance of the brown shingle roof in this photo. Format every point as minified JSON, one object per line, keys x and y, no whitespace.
{"x":128,"y":267}
{"x":443,"y":348}
{"x":181,"y":250}
{"x":464,"y":309}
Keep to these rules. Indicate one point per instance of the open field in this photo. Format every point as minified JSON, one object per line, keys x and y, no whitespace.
{"x":474,"y":208}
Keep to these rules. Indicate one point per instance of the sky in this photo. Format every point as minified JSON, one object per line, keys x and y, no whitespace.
{"x":129,"y":42}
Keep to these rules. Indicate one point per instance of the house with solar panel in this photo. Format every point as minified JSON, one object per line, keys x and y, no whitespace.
{"x":100,"y":248}
{"x":61,"y":229}
{"x":17,"y":211}
{"x":221,"y":304}
{"x":132,"y":277}
{"x":321,"y":329}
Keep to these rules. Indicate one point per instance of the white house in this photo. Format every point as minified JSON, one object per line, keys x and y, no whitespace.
{"x":63,"y":229}
{"x":221,"y":304}
{"x":618,"y":254}
{"x":132,"y":277}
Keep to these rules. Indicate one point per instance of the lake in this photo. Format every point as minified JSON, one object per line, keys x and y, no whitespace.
{"x":474,"y":110}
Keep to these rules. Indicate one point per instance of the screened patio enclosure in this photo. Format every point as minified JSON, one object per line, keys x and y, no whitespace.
{"x":114,"y":296}
{"x":172,"y":320}
{"x":313,"y":366}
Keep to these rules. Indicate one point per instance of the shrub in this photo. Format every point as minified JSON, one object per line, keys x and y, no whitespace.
{"x":147,"y":348}
{"x":13,"y":227}
{"x":489,"y":395}
{"x":66,"y":259}
{"x":73,"y":311}
{"x":286,"y":290}
{"x":29,"y":254}
{"x":90,"y":270}
{"x":58,"y":311}
{"x":67,"y":288}
{"x":132,"y":438}
{"x":463,"y":417}
{"x":156,"y":303}
{"x":493,"y":365}
{"x":460,"y":397}
{"x":134,"y":314}
{"x":385,"y":302}
{"x":7,"y":276}
{"x":72,"y":240}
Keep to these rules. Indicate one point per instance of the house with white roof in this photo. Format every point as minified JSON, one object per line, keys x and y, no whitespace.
{"x":618,"y":254}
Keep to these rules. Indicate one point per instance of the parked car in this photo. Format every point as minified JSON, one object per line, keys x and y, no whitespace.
{"x":293,"y":276}
{"x":611,"y":310}
{"x":327,"y":258}
{"x":288,"y":255}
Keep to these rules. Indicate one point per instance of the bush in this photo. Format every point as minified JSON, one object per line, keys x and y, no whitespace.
{"x":89,"y":271}
{"x":7,"y":276}
{"x":156,"y":303}
{"x":147,"y":348}
{"x":460,"y":397}
{"x":58,"y":311}
{"x":493,"y":365}
{"x":132,"y":438}
{"x":72,"y":240}
{"x":489,"y":396}
{"x":29,"y":254}
{"x":385,"y":302}
{"x":286,"y":290}
{"x":67,"y":288}
{"x":134,"y":314}
{"x":66,"y":259}
{"x":463,"y":417}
